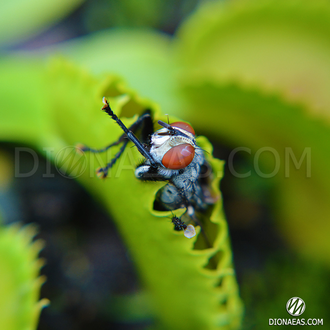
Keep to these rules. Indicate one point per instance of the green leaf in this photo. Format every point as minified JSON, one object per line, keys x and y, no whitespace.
{"x":278,"y":46}
{"x":256,"y":120}
{"x":143,"y":57}
{"x":23,"y":100}
{"x":297,"y":275}
{"x":19,"y":281}
{"x":262,"y":69}
{"x":183,"y":277}
{"x":22,"y":18}
{"x":192,"y":287}
{"x":134,"y":13}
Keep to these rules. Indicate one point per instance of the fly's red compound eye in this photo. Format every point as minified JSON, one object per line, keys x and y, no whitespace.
{"x":185,"y":126}
{"x":179,"y":156}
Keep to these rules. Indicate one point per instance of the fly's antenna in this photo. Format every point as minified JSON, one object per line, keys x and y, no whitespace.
{"x":168,"y":126}
{"x":172,"y":131}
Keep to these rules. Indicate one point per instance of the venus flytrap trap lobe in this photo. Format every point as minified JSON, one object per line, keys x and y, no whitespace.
{"x":212,"y":246}
{"x":19,"y":281}
{"x":200,"y":281}
{"x":171,"y":154}
{"x":260,"y":67}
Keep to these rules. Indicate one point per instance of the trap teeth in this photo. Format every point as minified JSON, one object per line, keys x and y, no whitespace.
{"x":190,"y":231}
{"x":80,"y":148}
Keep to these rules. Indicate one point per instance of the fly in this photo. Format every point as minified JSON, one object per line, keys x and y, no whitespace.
{"x":170,"y":154}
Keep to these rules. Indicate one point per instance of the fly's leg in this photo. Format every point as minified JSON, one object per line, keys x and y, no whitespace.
{"x":102,"y":172}
{"x":82,"y":148}
{"x":134,"y":127}
{"x":129,"y":133}
{"x":171,"y":198}
{"x":189,"y":231}
{"x":143,"y":121}
{"x":190,"y":212}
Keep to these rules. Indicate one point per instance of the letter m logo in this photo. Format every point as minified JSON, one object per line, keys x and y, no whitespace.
{"x":295,"y":306}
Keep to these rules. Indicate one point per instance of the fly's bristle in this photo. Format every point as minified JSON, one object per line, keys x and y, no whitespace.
{"x":178,"y":224}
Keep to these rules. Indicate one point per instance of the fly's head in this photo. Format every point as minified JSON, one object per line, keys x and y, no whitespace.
{"x":173,"y":146}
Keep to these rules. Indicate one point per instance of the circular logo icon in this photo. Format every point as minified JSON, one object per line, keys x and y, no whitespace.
{"x":70,"y":164}
{"x":295,"y":306}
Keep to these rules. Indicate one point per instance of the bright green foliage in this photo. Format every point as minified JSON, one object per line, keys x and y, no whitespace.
{"x":183,"y":277}
{"x":308,"y":278}
{"x":125,"y":13}
{"x":19,"y":281}
{"x":253,"y":73}
{"x":273,"y":55}
{"x":276,"y":46}
{"x":22,"y":96}
{"x":263,"y":69}
{"x":21,"y":18}
{"x":304,"y":190}
{"x":143,"y":57}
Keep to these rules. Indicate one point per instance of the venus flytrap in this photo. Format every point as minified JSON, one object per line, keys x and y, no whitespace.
{"x":263,"y":52}
{"x":171,"y":266}
{"x":19,"y":282}
{"x":192,"y":285}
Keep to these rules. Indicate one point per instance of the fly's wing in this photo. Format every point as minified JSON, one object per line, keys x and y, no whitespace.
{"x":147,"y":128}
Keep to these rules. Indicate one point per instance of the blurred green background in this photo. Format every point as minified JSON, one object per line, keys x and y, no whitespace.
{"x":248,"y":74}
